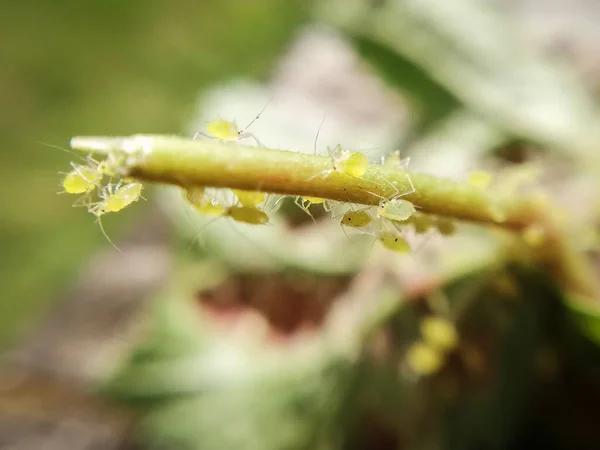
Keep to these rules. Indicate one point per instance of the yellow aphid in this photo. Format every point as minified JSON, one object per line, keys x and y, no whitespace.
{"x":82,"y":179}
{"x":350,"y":163}
{"x":396,"y":209}
{"x":534,"y":235}
{"x":424,"y":359}
{"x":394,"y":242}
{"x":252,"y":215}
{"x":249,"y":199}
{"x":445,"y":226}
{"x":224,"y":130}
{"x":440,"y":333}
{"x":356,"y":219}
{"x":304,"y":203}
{"x":313,"y":200}
{"x":355,"y":164}
{"x":116,"y":198}
{"x":196,"y":196}
{"x":480,"y":179}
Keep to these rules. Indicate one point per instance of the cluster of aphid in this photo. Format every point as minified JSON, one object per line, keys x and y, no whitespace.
{"x":87,"y":181}
{"x":386,"y":221}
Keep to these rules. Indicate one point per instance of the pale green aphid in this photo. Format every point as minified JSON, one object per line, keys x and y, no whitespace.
{"x":396,"y":209}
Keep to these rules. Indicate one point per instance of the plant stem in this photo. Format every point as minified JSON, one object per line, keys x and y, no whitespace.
{"x":209,"y":163}
{"x":184,"y":162}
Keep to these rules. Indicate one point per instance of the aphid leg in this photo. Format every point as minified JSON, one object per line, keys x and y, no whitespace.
{"x":301,"y":203}
{"x":397,"y":192}
{"x":247,"y":135}
{"x":200,"y":133}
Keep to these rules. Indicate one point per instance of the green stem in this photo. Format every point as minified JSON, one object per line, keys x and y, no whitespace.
{"x":184,"y":162}
{"x":187,"y":163}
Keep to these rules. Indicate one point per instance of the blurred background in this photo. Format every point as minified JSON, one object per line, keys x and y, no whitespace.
{"x":204,"y":336}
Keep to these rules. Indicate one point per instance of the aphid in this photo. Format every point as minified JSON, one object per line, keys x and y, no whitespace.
{"x":250,"y":215}
{"x":424,"y":359}
{"x":114,"y":199}
{"x":304,"y":203}
{"x":346,"y":162}
{"x":82,"y":179}
{"x":250,"y":199}
{"x":394,"y":242}
{"x":480,"y":179}
{"x":396,"y":209}
{"x":440,"y":333}
{"x":356,"y":219}
{"x":350,"y":163}
{"x":196,"y":196}
{"x":226,"y":131}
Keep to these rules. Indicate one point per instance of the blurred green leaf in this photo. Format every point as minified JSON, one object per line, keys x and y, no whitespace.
{"x":111,"y":68}
{"x":471,"y":48}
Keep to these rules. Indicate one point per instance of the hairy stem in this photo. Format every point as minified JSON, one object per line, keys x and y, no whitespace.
{"x":184,"y":162}
{"x":209,"y":163}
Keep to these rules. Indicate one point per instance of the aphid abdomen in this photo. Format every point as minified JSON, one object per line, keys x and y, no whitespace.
{"x":396,"y":209}
{"x":252,"y":216}
{"x":355,"y":164}
{"x":130,"y":192}
{"x":394,"y":242}
{"x":249,"y":199}
{"x":356,"y":219}
{"x":224,"y":130}
{"x":81,"y":180}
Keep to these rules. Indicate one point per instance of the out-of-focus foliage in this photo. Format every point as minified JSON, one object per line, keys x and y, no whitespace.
{"x":102,"y":67}
{"x":264,"y":344}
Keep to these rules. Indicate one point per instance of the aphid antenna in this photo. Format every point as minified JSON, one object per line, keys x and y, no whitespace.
{"x":256,"y":118}
{"x":64,"y":149}
{"x":99,"y":220}
{"x":318,"y":133}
